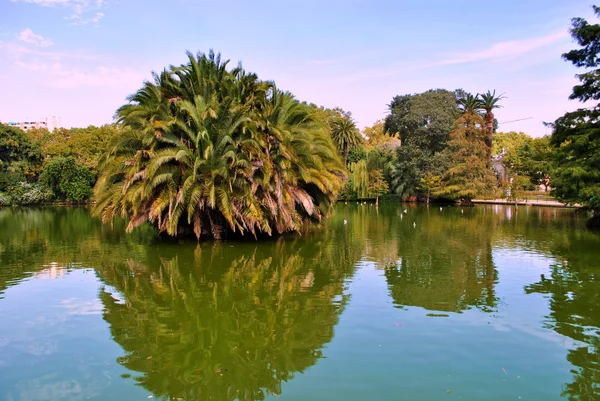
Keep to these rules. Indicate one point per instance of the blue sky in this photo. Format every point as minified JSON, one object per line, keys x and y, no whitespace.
{"x":79,"y":59}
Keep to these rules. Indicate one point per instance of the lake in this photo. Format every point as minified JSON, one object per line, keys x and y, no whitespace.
{"x":487,"y":303}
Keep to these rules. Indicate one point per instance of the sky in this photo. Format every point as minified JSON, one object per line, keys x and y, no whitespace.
{"x":79,"y":59}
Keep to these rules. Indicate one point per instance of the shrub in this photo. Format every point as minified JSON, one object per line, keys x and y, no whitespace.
{"x":25,"y":193}
{"x":4,"y":199}
{"x":67,"y":179}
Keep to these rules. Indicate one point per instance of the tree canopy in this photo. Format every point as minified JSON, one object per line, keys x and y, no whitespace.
{"x":576,"y":135}
{"x":423,"y":122}
{"x":524,"y":156}
{"x":20,"y":156}
{"x":208,"y":149}
{"x":468,"y":176}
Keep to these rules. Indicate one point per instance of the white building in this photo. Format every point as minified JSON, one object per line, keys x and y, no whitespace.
{"x":25,"y":125}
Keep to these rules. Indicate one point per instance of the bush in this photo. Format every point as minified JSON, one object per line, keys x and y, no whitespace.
{"x":25,"y":193}
{"x":67,"y":179}
{"x":4,"y":199}
{"x":5,"y":179}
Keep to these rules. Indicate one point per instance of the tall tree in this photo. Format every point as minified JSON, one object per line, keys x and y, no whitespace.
{"x":423,"y":122}
{"x":576,"y":135}
{"x":345,"y":134}
{"x":489,"y":102}
{"x":469,"y":176}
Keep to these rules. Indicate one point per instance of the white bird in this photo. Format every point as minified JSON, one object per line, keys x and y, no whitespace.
{"x":401,"y":216}
{"x":415,"y":224}
{"x":462,"y":211}
{"x":345,"y":222}
{"x":440,"y":208}
{"x":405,"y":211}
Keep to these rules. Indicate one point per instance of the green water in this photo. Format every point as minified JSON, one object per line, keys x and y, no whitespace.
{"x":495,"y":303}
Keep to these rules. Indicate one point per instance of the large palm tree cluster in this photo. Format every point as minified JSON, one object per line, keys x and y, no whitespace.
{"x":208,"y":150}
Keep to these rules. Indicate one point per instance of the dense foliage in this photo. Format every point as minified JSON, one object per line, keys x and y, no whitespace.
{"x":576,"y":135}
{"x":38,"y":166}
{"x":86,"y":145}
{"x":211,"y":150}
{"x":67,"y":179}
{"x":370,"y":163}
{"x":524,"y":158}
{"x":20,"y":157}
{"x":468,"y":176}
{"x":424,"y":122}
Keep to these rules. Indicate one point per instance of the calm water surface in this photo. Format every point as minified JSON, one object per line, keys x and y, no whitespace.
{"x":495,"y":303}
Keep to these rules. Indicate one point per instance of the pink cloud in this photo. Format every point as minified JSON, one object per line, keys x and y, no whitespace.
{"x":28,"y":36}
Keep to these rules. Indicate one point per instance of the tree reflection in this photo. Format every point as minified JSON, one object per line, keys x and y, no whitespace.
{"x":445,"y":262}
{"x":225,"y":322}
{"x":32,"y":239}
{"x":574,"y":299}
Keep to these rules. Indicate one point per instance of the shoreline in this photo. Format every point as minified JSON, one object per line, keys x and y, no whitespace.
{"x":526,"y":202}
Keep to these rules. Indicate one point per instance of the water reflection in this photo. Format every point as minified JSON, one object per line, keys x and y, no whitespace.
{"x":573,"y":291}
{"x":236,"y":320}
{"x":53,"y":239}
{"x":445,"y":262}
{"x":225,"y":323}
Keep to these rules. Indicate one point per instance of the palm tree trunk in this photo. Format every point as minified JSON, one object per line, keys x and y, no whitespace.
{"x":346,"y":154}
{"x":490,"y":273}
{"x":489,"y":127}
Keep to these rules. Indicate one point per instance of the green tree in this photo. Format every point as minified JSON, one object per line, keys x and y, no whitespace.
{"x":86,"y":145}
{"x":378,"y":186}
{"x":430,"y":184}
{"x":468,"y":176}
{"x":206,"y":149}
{"x":20,"y":156}
{"x":539,"y":161}
{"x":510,"y":143}
{"x":424,"y":122}
{"x":576,"y":135}
{"x":525,"y":156}
{"x":329,"y":116}
{"x":357,"y":154}
{"x":360,"y":179}
{"x":346,"y":136}
{"x":428,"y":115}
{"x":377,"y":138}
{"x":67,"y":179}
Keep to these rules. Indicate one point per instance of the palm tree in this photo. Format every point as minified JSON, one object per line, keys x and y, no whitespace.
{"x":489,"y":102}
{"x":345,"y":135}
{"x":470,"y":104}
{"x":209,"y":150}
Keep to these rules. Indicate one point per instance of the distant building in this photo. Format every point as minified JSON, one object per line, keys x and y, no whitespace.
{"x":25,"y":125}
